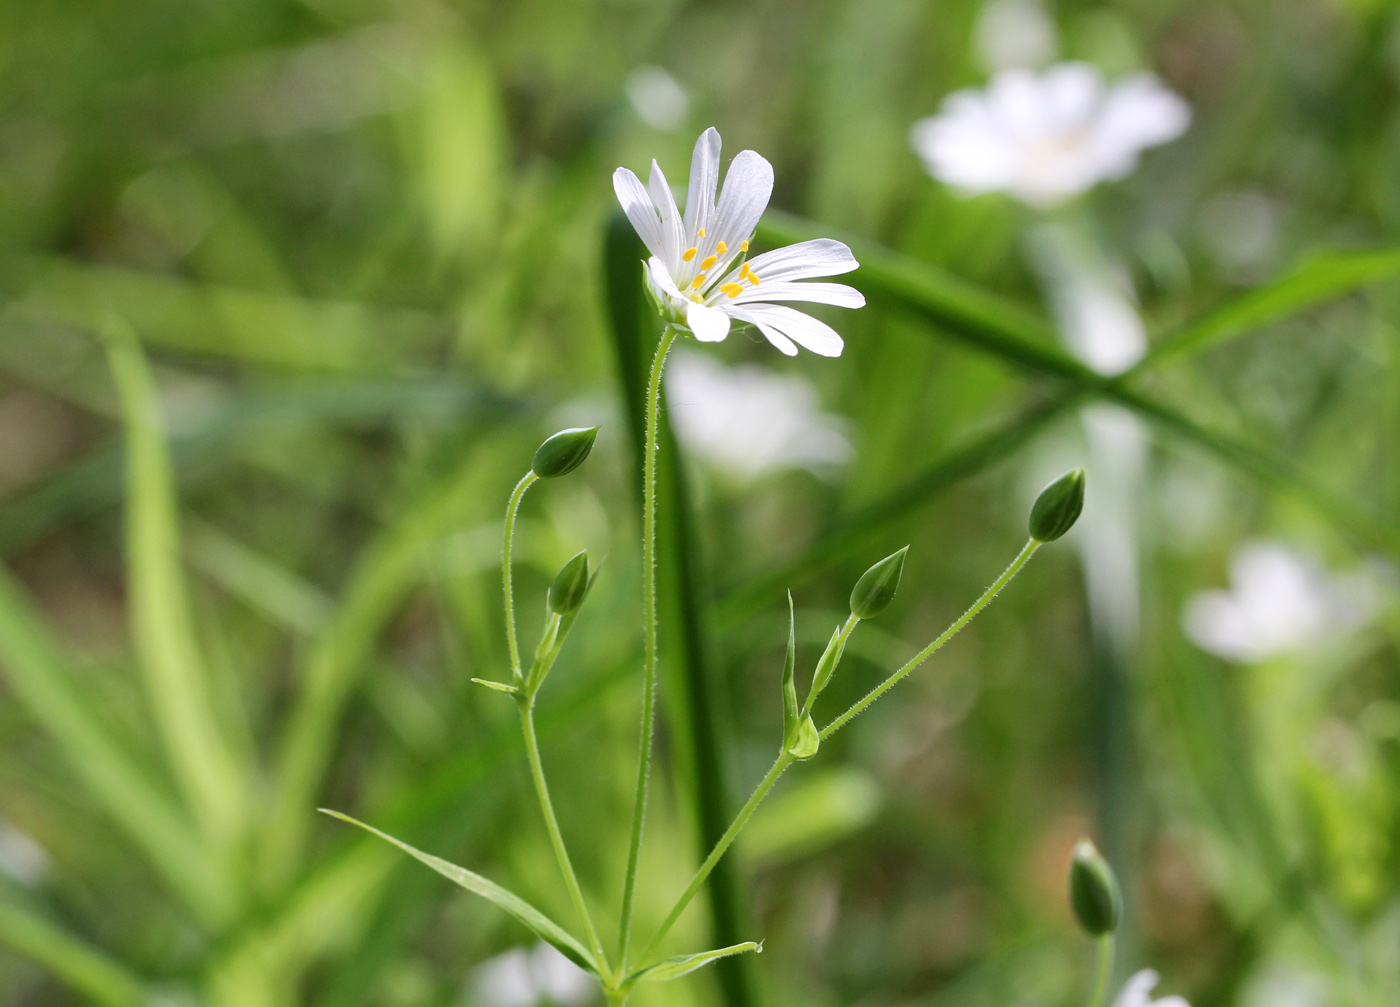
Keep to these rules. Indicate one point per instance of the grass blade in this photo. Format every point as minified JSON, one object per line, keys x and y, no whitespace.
{"x":37,"y":675}
{"x":176,"y":679}
{"x":1320,"y":278}
{"x":674,"y":968}
{"x":81,"y":966}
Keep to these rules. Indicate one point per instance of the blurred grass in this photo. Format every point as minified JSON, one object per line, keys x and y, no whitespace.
{"x":359,"y":248}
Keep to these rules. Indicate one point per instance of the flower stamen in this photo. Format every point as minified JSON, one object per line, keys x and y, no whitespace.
{"x":698,"y":282}
{"x":721,"y":248}
{"x":689,"y":253}
{"x":732,"y":289}
{"x":709,"y":261}
{"x":744,"y":245}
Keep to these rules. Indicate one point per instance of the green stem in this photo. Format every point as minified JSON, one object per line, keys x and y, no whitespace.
{"x":1103,"y":967}
{"x":639,"y":808}
{"x":556,"y":838}
{"x":511,"y":508}
{"x":740,"y":820}
{"x":1026,"y":553}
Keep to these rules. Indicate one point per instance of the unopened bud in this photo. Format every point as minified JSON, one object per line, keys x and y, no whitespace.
{"x":565,"y":451}
{"x":1058,"y":507}
{"x":1093,"y":891}
{"x":570,"y":585}
{"x":877,"y":586}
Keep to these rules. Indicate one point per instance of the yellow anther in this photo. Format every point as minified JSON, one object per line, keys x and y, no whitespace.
{"x":753,"y":278}
{"x":700,"y":233}
{"x":708,"y":261}
{"x":743,"y":271}
{"x":721,"y":248}
{"x":732,"y":289}
{"x":743,"y":246}
{"x":689,"y":254}
{"x":698,"y":282}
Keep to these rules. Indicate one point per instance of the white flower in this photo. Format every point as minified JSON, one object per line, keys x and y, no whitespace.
{"x":1015,"y":34}
{"x":1049,"y":136}
{"x":748,"y":421}
{"x":1279,"y":602}
{"x":699,"y":271}
{"x":657,"y":98}
{"x":1136,"y":992}
{"x":520,"y":978}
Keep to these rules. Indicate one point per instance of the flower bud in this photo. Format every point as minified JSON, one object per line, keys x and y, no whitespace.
{"x":1058,"y":507}
{"x":1093,"y":891}
{"x":570,"y":585}
{"x":564,"y":452}
{"x":877,"y":586}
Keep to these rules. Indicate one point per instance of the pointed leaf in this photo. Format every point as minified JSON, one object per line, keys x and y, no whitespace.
{"x":542,"y":925}
{"x":790,"y":679}
{"x":509,"y":690}
{"x":674,"y":968}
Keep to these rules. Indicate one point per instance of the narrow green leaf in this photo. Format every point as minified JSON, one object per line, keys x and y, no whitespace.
{"x":790,"y":679}
{"x":826,"y":664}
{"x":83,"y":967}
{"x":42,"y":683}
{"x":674,"y":968}
{"x":542,"y":925}
{"x":1320,"y":278}
{"x":509,"y":690}
{"x":176,"y":678}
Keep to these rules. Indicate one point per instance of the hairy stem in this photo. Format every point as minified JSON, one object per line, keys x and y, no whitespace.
{"x":1026,"y":553}
{"x":639,"y":808}
{"x":511,"y":508}
{"x":730,"y":834}
{"x":556,"y":838}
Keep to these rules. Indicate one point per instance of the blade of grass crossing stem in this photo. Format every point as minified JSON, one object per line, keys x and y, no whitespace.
{"x":683,"y":628}
{"x":1320,"y":278}
{"x":1002,"y":329}
{"x":848,"y":533}
{"x":38,"y":677}
{"x":78,"y":964}
{"x":176,"y":679}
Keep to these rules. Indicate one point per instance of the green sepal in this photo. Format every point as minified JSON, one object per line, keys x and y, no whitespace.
{"x":1058,"y":507}
{"x":674,"y":968}
{"x":790,"y":710}
{"x":1093,"y":891}
{"x":542,"y":926}
{"x":805,"y":745}
{"x":826,"y":666}
{"x":877,"y":586}
{"x":509,"y":690}
{"x":570,"y":585}
{"x":556,"y":630}
{"x":563,"y":452}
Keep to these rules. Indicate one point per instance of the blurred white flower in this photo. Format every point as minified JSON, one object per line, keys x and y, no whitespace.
{"x":1049,"y":136}
{"x":657,"y":98}
{"x":1137,"y":993}
{"x":1279,"y":602}
{"x":21,"y":857}
{"x":700,"y":274}
{"x":748,"y":421}
{"x":520,"y":978}
{"x":1015,"y":34}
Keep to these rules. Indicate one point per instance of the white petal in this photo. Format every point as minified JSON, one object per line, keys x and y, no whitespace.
{"x":661,"y":277}
{"x":1138,"y":113}
{"x":815,"y":293}
{"x":704,"y":182}
{"x":1073,"y":92}
{"x":748,"y":185}
{"x":804,"y":330}
{"x":804,"y":260}
{"x":709,"y":325}
{"x":639,"y":209}
{"x":782,"y":342}
{"x":672,"y":239}
{"x":1137,"y":991}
